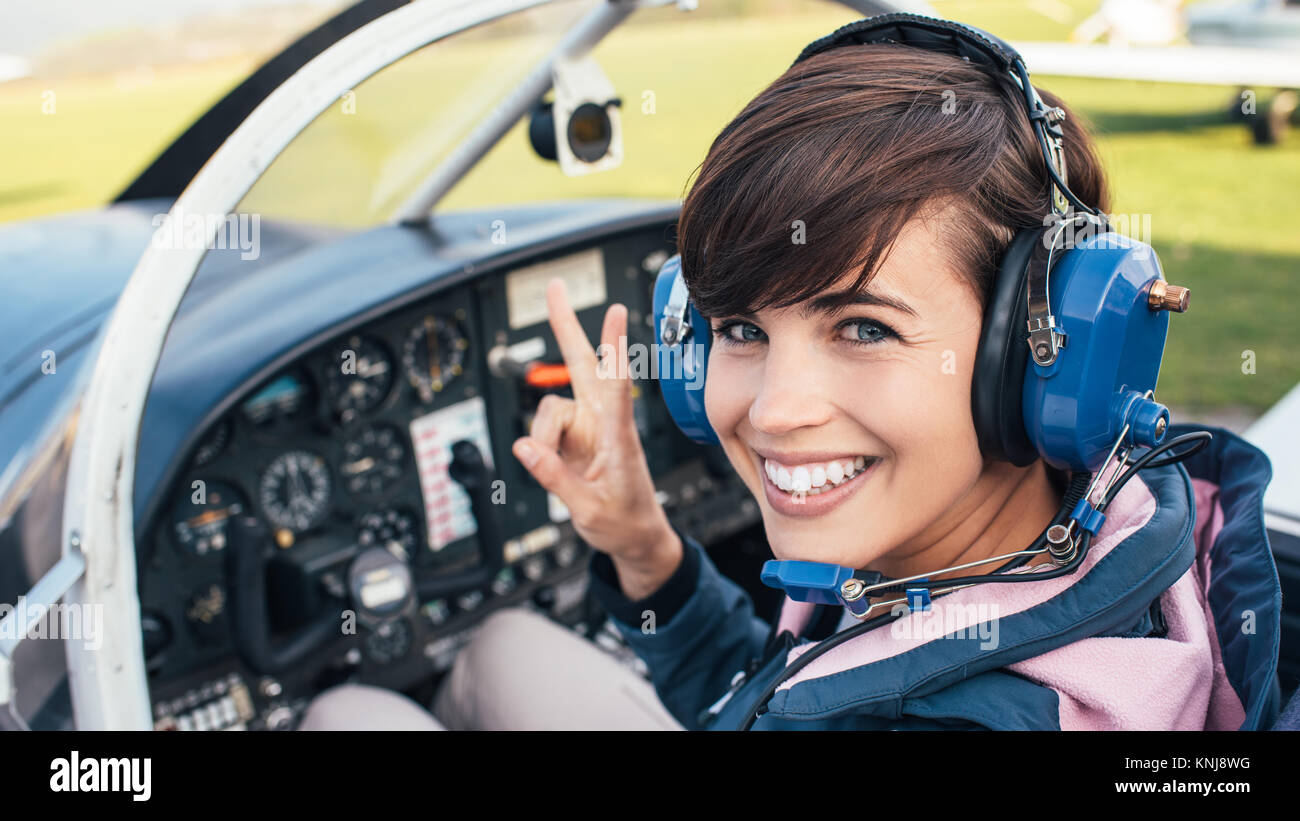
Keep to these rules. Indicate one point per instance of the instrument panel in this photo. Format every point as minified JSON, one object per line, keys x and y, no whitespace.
{"x":340,"y":458}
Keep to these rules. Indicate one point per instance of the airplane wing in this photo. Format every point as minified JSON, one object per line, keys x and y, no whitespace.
{"x":1209,"y":65}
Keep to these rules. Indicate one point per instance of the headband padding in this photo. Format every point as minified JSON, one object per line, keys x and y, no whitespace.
{"x":944,"y":36}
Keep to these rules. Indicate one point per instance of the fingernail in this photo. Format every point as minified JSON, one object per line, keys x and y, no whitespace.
{"x":526,"y":453}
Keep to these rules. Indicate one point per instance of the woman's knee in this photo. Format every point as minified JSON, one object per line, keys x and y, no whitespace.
{"x":363,"y":707}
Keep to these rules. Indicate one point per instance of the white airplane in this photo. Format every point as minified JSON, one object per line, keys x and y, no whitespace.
{"x":1253,"y":46}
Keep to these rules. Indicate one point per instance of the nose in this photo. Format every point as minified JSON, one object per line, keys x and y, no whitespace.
{"x":793,"y":392}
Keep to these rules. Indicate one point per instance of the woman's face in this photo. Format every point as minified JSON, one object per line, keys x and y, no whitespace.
{"x":803,"y":392}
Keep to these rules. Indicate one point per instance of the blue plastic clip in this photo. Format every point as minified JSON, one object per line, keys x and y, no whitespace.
{"x":817,"y":582}
{"x":918,"y":599}
{"x":1088,"y":517}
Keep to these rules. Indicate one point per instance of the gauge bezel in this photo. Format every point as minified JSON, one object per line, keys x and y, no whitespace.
{"x":326,"y":505}
{"x":272,"y":431}
{"x":332,"y":377}
{"x":419,"y":381}
{"x":185,"y":499}
{"x":405,"y":462}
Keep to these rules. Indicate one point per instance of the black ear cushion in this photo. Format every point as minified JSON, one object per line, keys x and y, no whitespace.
{"x":998,"y":385}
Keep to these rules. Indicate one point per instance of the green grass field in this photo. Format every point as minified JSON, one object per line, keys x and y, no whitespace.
{"x":1222,"y":211}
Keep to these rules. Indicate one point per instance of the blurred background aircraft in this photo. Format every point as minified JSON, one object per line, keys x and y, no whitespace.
{"x":1253,"y":45}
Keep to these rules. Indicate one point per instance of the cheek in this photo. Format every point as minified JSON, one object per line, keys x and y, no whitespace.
{"x":726,"y":397}
{"x":922,"y":413}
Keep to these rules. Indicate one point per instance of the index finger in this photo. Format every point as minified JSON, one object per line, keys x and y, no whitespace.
{"x":579,"y":357}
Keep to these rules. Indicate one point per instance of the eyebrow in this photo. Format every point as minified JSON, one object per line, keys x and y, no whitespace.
{"x":833,"y":301}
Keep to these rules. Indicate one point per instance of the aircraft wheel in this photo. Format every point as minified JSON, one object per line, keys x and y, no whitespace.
{"x":1269,"y":126}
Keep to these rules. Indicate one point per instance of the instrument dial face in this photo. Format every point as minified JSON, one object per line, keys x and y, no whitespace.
{"x":394,"y":530}
{"x":295,"y":490}
{"x":373,"y":460}
{"x":285,"y":399}
{"x":434,"y":355}
{"x":359,"y":376}
{"x":200,"y":517}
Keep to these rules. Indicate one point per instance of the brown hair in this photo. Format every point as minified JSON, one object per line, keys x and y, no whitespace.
{"x":855,"y":142}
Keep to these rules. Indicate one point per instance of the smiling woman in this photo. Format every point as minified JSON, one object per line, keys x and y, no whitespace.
{"x":873,"y":399}
{"x":892,"y":181}
{"x":862,"y":260}
{"x":860,"y":270}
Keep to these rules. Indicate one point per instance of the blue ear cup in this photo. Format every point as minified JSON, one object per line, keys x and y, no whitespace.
{"x":682,"y":338}
{"x":1076,"y":407}
{"x":1070,"y":412}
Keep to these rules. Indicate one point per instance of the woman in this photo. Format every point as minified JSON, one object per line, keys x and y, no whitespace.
{"x":841,"y":239}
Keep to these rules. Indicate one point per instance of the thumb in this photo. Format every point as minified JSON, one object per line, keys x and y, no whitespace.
{"x":545,"y":465}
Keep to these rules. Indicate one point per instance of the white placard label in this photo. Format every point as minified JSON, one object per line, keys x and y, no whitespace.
{"x":528,"y":349}
{"x":584,"y":279}
{"x":447,"y":513}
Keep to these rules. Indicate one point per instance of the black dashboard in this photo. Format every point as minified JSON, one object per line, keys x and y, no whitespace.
{"x":367,"y":559}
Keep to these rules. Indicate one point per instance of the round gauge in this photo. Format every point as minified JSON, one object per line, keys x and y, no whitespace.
{"x":373,"y":459}
{"x":200,"y":517}
{"x":213,"y":443}
{"x":282,"y":399}
{"x":359,"y":376}
{"x":394,"y":530}
{"x":434,"y":355}
{"x":295,"y":490}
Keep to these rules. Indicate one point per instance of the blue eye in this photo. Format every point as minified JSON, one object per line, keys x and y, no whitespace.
{"x":867,"y":331}
{"x":749,"y":332}
{"x":738,"y":332}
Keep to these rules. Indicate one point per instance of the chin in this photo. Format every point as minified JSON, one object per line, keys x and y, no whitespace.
{"x":815,"y":542}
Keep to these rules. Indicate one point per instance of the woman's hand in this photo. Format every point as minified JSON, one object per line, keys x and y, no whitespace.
{"x":586,"y":451}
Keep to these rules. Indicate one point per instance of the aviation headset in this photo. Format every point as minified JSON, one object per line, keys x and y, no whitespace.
{"x":1069,"y":354}
{"x":1072,"y":337}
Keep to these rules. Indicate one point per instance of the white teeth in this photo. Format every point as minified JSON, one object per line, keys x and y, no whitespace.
{"x":835,"y":472}
{"x":800,"y":479}
{"x":783,"y":479}
{"x":809,"y":480}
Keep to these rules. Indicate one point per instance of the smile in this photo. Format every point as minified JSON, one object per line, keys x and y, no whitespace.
{"x":812,"y":488}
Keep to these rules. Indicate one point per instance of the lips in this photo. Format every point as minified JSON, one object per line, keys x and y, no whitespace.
{"x":815,"y":477}
{"x":801,"y":487}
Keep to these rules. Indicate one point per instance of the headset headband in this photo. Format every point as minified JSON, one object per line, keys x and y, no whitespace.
{"x":956,"y":39}
{"x":976,"y":46}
